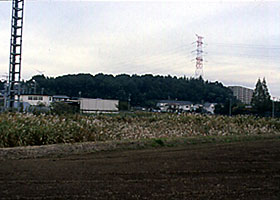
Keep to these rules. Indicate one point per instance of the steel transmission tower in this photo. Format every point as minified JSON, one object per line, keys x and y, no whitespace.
{"x":199,"y":57}
{"x":13,"y":88}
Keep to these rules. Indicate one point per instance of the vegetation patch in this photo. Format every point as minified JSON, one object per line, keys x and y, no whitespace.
{"x":19,"y":129}
{"x":158,"y":142}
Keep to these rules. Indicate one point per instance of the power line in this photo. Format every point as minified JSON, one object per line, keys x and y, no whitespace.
{"x":47,"y":0}
{"x":253,"y":46}
{"x":154,"y":56}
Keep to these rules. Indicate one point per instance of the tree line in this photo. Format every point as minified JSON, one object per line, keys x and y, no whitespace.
{"x":139,"y":90}
{"x":146,"y":90}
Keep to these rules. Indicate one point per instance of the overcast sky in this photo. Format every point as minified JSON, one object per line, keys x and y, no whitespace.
{"x":242,"y":39}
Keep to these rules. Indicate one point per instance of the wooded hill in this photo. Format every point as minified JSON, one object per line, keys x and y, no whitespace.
{"x":142,"y":90}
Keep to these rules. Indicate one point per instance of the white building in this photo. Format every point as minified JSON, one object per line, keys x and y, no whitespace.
{"x":98,"y":105}
{"x":34,"y":100}
{"x":243,"y":94}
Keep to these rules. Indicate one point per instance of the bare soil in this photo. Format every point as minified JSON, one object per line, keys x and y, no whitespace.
{"x":241,"y":170}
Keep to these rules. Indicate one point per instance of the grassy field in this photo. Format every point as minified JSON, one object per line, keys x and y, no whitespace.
{"x":18,"y":129}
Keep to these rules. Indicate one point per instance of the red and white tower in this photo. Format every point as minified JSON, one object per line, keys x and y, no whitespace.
{"x":199,"y":57}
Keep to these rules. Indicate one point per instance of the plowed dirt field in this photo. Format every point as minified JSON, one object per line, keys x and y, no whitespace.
{"x":242,"y":170}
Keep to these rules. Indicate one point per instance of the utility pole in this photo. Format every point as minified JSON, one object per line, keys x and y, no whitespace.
{"x":13,"y":88}
{"x":273,"y":109}
{"x":274,"y":99}
{"x":129,"y":100}
{"x":230,"y":105}
{"x":199,"y":57}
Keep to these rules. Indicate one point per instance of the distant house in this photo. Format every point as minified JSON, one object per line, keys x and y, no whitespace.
{"x":197,"y":107}
{"x":34,"y":100}
{"x":27,"y":101}
{"x":209,"y":107}
{"x":174,"y":106}
{"x":59,"y":98}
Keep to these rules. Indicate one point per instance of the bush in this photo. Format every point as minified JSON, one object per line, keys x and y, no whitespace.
{"x":64,"y":108}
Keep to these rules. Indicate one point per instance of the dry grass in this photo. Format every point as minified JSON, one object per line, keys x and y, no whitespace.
{"x":18,"y":129}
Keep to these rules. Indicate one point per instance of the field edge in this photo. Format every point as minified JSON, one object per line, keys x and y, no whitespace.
{"x":60,"y":150}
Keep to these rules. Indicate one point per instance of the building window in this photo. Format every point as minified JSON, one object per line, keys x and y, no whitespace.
{"x":50,"y":98}
{"x":35,"y":98}
{"x":29,"y":97}
{"x":41,"y":98}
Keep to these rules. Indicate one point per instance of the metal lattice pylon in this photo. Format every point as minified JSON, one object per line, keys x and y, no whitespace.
{"x":199,"y":57}
{"x":15,"y":54}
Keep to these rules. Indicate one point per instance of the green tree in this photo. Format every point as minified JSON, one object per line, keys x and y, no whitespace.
{"x":261,"y":98}
{"x":143,"y":90}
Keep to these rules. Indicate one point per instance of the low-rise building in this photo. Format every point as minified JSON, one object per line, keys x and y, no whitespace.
{"x":173,"y":105}
{"x":88,"y":105}
{"x":60,"y":98}
{"x":209,"y":107}
{"x":36,"y":99}
{"x":185,"y":106}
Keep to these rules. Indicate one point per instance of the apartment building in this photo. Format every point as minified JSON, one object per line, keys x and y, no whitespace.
{"x":243,"y":94}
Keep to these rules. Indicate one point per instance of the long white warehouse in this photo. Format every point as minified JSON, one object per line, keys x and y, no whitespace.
{"x":98,"y":105}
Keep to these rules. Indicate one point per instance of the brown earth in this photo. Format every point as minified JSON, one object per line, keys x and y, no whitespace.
{"x":242,"y":170}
